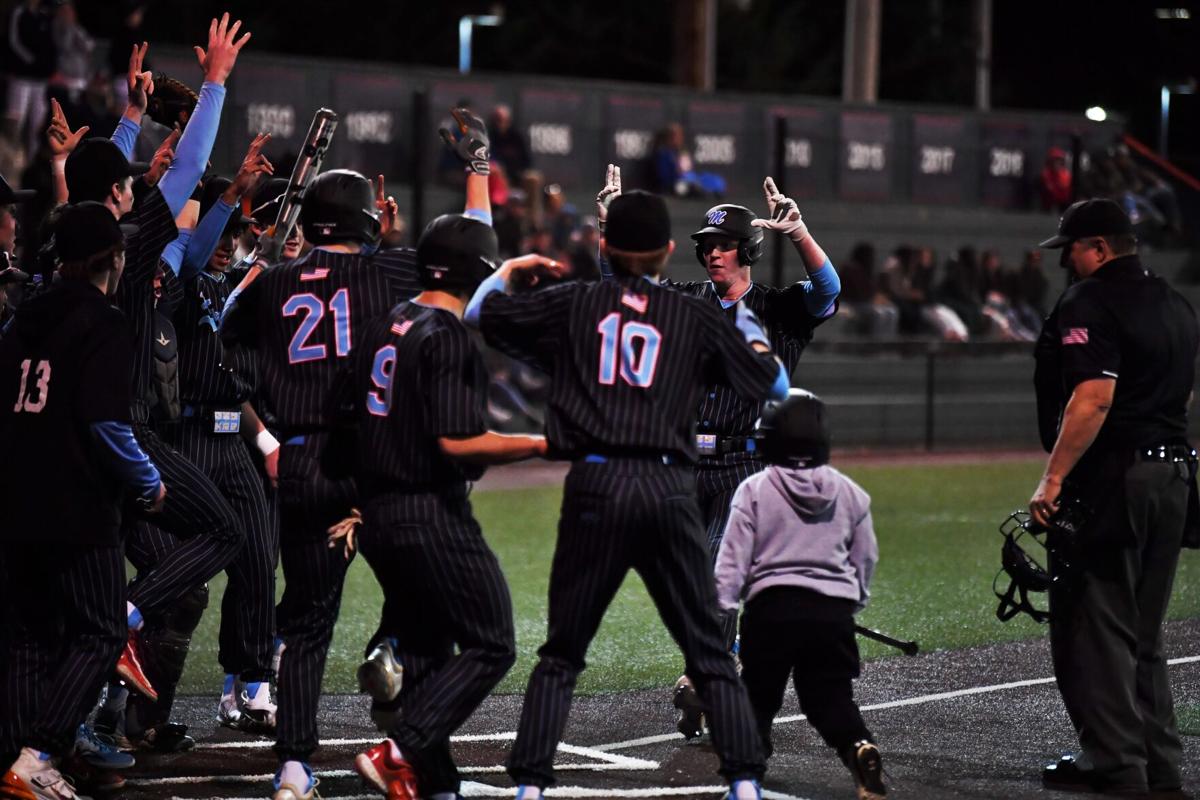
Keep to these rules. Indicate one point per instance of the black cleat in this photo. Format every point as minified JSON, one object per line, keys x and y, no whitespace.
{"x":691,"y":709}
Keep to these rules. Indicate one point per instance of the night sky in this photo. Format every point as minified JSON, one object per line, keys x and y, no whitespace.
{"x":1064,"y":55}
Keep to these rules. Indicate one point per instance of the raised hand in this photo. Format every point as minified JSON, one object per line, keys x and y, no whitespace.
{"x":61,"y":139}
{"x":389,"y":211}
{"x":471,"y":143}
{"x":784,"y":214}
{"x":163,"y":157}
{"x":529,"y":269}
{"x":223,"y":48}
{"x":141,"y":84}
{"x":610,"y":192}
{"x":254,"y":166}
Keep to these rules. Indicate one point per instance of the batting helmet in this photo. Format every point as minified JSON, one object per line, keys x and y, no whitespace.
{"x":456,"y":252}
{"x":339,"y":206}
{"x":794,"y":431}
{"x":734,"y":222}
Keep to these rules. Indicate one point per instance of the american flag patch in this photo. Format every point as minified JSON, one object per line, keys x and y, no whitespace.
{"x":318,"y":274}
{"x":1075,"y":336}
{"x":401,"y":328}
{"x":637,"y":302}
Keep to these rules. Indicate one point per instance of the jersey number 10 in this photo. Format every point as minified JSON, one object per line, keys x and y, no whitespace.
{"x":618,"y":353}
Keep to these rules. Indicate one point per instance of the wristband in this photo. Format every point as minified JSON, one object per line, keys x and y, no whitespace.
{"x":265,"y":442}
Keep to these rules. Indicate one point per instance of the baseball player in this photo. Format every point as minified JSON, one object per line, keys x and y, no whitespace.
{"x":70,"y":419}
{"x":629,"y":359}
{"x":423,"y":440}
{"x":800,"y":550}
{"x":302,"y":318}
{"x":727,"y":246}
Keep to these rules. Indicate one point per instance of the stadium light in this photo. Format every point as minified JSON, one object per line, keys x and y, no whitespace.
{"x":1096,"y":114}
{"x":1172,"y":13}
{"x":465,"y":27}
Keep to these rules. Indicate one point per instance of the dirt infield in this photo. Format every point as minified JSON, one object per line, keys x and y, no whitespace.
{"x":973,"y":723}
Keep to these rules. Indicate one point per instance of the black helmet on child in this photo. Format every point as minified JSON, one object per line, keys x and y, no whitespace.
{"x":733,"y":222}
{"x":339,"y":207}
{"x":456,"y":252}
{"x":794,"y":432}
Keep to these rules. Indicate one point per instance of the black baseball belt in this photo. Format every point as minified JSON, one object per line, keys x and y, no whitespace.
{"x":712,"y":445}
{"x":1168,"y":453}
{"x":214,"y":418}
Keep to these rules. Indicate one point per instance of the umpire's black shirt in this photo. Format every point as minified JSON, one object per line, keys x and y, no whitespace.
{"x":65,"y":364}
{"x":419,"y":377}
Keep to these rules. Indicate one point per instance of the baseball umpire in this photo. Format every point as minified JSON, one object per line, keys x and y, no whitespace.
{"x":728,"y":245}
{"x":629,"y":359}
{"x":421,"y":441}
{"x":1116,"y":364}
{"x":64,"y":566}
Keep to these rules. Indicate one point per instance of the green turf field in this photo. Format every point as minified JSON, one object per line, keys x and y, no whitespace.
{"x":939,"y":550}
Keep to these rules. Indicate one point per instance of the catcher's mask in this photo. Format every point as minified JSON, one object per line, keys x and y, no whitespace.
{"x":1028,"y":572}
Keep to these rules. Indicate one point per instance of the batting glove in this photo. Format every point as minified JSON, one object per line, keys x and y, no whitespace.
{"x":471,"y":144}
{"x":784,"y":214}
{"x":610,"y":192}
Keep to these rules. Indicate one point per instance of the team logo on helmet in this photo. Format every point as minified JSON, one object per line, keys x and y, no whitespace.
{"x":716,"y":217}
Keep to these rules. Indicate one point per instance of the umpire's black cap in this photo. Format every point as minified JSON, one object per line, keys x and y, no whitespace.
{"x":638,"y":222}
{"x":95,"y":166}
{"x":456,"y":252}
{"x":87,"y":229}
{"x":794,"y":432}
{"x":1098,"y":216}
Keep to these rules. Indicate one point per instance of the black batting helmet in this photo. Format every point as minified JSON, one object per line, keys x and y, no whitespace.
{"x":794,"y":432}
{"x":456,"y":252}
{"x":338,"y":207}
{"x":734,"y":222}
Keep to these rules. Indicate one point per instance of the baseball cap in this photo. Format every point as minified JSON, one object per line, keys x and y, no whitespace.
{"x":1096,"y":217}
{"x":87,"y":228}
{"x":95,"y":166}
{"x":9,"y":195}
{"x":638,"y":223}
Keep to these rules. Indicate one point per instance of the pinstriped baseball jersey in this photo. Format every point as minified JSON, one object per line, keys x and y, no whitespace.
{"x":628,"y":359}
{"x":419,"y":376}
{"x":786,"y":321}
{"x":207,"y":374}
{"x":304,"y":318}
{"x":135,"y":292}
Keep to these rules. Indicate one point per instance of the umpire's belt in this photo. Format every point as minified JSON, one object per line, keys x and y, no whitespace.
{"x":1167,"y":453}
{"x":710,"y":445}
{"x":214,"y":419}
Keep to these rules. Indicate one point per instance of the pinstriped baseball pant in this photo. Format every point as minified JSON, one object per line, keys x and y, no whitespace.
{"x":310,"y":500}
{"x":248,"y":608}
{"x":431,"y":559}
{"x":715,"y":486}
{"x":616,"y":516}
{"x":198,"y":515}
{"x":66,"y":619}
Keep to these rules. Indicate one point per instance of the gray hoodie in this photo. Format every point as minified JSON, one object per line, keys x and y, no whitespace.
{"x":809,"y":528}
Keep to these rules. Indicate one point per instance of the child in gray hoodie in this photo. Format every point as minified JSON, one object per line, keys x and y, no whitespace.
{"x":799,"y":549}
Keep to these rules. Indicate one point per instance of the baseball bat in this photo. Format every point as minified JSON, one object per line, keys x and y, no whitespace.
{"x":307,"y":168}
{"x":908,"y":648}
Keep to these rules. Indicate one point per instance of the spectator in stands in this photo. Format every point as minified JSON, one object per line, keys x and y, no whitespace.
{"x":674,"y":172}
{"x":585,"y":244}
{"x":1145,"y":183}
{"x":31,"y":62}
{"x":999,"y":306}
{"x":508,"y":145}
{"x":1033,"y":286}
{"x":870,"y":310}
{"x":907,"y":276}
{"x":560,"y":218}
{"x":961,"y":290}
{"x":74,"y":47}
{"x":1055,"y":181}
{"x":511,"y":222}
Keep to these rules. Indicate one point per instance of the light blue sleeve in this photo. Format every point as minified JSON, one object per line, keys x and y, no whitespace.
{"x":174,"y":252}
{"x":205,"y":239}
{"x":779,"y":389}
{"x":126,"y":458}
{"x":821,"y":289}
{"x":125,"y":137}
{"x":494,"y":283}
{"x":194,"y":148}
{"x":478,"y":213}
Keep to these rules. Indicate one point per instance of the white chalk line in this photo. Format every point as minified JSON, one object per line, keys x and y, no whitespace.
{"x":911,"y":701}
{"x":471,"y":789}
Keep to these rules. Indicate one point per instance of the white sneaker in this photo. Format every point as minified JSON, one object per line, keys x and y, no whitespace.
{"x":46,"y":784}
{"x":291,"y":790}
{"x":258,"y":712}
{"x":228,"y":713}
{"x":381,"y":675}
